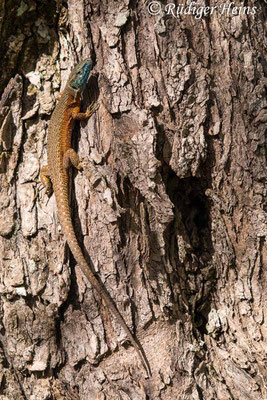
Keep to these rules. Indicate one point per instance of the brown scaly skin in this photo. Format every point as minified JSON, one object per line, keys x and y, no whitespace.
{"x":60,"y":157}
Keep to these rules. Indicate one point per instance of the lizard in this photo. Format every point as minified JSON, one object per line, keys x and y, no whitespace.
{"x":54,"y":176}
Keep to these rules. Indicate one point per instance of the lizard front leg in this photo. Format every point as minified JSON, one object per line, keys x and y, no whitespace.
{"x":70,"y":157}
{"x":83,"y":116}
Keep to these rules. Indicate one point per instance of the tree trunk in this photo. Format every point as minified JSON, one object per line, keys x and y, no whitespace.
{"x":169,"y":206}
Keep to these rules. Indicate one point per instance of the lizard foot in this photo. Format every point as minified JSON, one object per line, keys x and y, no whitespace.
{"x":92,"y":108}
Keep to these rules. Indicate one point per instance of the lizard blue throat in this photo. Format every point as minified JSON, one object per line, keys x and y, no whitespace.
{"x":81,"y":75}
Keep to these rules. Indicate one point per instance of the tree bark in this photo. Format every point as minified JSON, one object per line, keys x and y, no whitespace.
{"x":169,"y":207}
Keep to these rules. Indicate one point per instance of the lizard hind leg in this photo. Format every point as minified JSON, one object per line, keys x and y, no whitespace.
{"x":71,"y":158}
{"x":45,"y":179}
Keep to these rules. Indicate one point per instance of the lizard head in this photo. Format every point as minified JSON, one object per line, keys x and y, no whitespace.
{"x":79,"y":76}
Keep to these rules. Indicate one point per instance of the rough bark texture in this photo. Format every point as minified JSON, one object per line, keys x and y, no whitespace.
{"x":169,"y":206}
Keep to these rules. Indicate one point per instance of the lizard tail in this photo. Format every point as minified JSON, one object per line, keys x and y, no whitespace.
{"x":86,"y":268}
